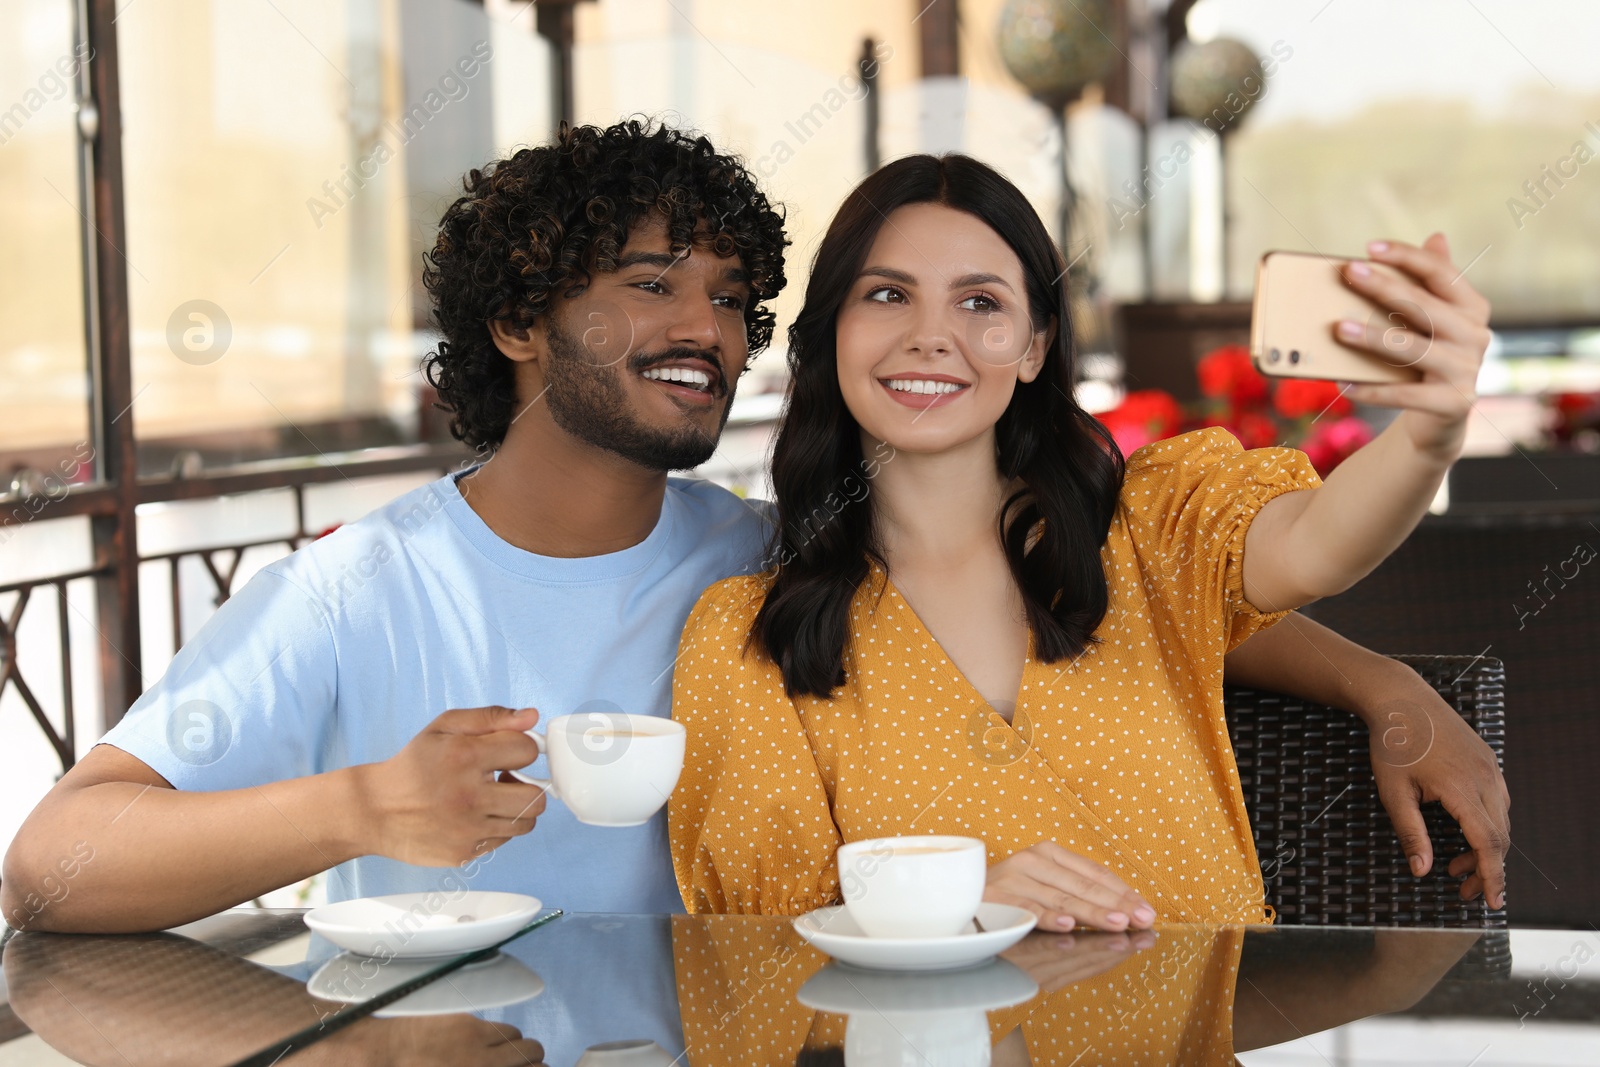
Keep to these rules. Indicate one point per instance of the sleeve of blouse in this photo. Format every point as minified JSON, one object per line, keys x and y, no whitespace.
{"x":1189,"y":501}
{"x":750,"y":823}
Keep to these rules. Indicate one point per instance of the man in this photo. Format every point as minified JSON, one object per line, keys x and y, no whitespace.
{"x":599,"y":299}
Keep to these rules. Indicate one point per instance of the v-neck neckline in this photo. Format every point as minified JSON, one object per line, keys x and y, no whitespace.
{"x":927,"y":635}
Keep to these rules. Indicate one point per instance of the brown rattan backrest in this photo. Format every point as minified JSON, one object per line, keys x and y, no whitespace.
{"x":1328,"y":851}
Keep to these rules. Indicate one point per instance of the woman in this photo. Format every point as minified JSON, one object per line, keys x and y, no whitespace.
{"x":1011,"y":633}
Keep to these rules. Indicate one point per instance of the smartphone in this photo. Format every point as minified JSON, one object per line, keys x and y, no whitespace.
{"x":1299,"y":298}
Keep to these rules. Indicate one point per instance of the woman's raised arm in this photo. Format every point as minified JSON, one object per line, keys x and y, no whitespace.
{"x":1307,"y":545}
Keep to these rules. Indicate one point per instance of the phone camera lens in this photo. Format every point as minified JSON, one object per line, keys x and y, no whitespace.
{"x":1294,"y":355}
{"x":1274,"y":355}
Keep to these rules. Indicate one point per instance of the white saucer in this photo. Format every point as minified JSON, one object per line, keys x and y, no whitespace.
{"x":492,"y":983}
{"x":420,"y":925}
{"x":833,"y":931}
{"x":842,"y":989}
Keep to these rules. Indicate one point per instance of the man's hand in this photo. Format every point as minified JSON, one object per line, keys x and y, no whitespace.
{"x":1422,"y":750}
{"x":1066,"y":890}
{"x":425,"y":1039}
{"x":438,"y":803}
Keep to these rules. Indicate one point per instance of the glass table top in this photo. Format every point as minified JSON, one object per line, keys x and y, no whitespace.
{"x":255,"y":987}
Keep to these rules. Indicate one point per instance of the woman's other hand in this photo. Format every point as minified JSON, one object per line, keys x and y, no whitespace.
{"x":1422,"y":750}
{"x":1436,"y":322}
{"x":1066,"y":891}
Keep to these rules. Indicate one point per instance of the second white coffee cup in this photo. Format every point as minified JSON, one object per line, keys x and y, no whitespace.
{"x":913,"y":887}
{"x":610,"y":768}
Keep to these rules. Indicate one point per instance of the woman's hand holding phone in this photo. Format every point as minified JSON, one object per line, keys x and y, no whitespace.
{"x":1306,"y":545}
{"x":1437,"y":323}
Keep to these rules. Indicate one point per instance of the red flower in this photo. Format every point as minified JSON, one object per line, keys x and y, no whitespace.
{"x":1331,"y":443}
{"x":1230,"y":374}
{"x":1253,"y":429}
{"x":1298,"y":397}
{"x":1575,"y":409}
{"x":1572,"y":413}
{"x":1143,"y":416}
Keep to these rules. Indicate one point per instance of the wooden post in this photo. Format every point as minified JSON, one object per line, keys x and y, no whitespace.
{"x":939,"y":26}
{"x":553,"y":19}
{"x":106,"y":293}
{"x":872,"y":151}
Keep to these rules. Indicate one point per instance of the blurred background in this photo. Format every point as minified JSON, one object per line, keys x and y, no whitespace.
{"x":212,"y":217}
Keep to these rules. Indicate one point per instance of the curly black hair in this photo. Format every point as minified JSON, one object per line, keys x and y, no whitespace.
{"x":546,"y":217}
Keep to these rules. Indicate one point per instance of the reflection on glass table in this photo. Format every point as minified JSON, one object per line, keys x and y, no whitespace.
{"x":653,"y":991}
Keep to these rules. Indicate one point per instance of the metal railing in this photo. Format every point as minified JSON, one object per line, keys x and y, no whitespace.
{"x":119,"y":646}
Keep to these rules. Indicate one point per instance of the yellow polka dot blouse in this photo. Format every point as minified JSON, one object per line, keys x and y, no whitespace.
{"x":1121,"y":754}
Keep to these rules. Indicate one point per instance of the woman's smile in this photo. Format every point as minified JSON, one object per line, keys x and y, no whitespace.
{"x":924,"y":390}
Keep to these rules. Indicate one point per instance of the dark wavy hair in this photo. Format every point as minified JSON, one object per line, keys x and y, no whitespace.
{"x":544,"y":219}
{"x":1069,"y":467}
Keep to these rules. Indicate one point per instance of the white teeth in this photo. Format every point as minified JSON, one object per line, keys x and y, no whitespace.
{"x":699,"y":379}
{"x":922,"y":385}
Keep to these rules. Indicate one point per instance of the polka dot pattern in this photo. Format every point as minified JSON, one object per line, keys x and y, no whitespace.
{"x":1121,"y":754}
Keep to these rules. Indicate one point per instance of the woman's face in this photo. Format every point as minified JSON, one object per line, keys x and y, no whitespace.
{"x":935,"y":333}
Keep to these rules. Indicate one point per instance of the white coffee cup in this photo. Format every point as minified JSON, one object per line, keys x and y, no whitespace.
{"x":610,"y":768}
{"x":913,"y":887}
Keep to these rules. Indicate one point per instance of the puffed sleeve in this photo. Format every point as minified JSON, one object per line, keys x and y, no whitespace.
{"x":750,"y":824}
{"x":1188,"y":502}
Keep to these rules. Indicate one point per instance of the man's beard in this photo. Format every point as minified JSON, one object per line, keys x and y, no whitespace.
{"x":589,"y":401}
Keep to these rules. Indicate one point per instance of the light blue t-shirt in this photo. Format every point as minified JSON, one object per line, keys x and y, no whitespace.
{"x":342,"y":652}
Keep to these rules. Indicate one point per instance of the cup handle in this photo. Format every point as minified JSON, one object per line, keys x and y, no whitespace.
{"x":543,"y":783}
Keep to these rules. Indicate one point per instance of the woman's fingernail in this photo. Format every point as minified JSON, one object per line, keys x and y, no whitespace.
{"x":1349,"y":328}
{"x":1066,"y":922}
{"x":1144,"y":915}
{"x":1377,"y":246}
{"x":1360,"y":269}
{"x":1116,"y":918}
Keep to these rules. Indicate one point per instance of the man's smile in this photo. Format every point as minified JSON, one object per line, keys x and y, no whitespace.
{"x":689,"y":379}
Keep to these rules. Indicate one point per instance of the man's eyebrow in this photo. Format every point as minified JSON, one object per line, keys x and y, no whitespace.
{"x":663,"y":260}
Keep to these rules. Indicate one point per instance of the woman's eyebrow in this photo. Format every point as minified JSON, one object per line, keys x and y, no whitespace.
{"x":979,"y":279}
{"x":890,"y":273}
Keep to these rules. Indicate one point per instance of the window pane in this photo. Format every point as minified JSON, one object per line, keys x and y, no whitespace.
{"x":286,"y":166}
{"x":267,"y":284}
{"x":1385,"y":119}
{"x":44,"y":406}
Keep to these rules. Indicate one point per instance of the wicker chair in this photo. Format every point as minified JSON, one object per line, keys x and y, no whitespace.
{"x":1328,"y":850}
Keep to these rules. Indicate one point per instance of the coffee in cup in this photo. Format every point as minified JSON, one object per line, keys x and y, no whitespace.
{"x":610,"y":768}
{"x":913,"y":887}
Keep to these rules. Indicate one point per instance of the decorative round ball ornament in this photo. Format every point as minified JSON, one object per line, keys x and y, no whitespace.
{"x":1056,"y":47}
{"x":1215,"y":82}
